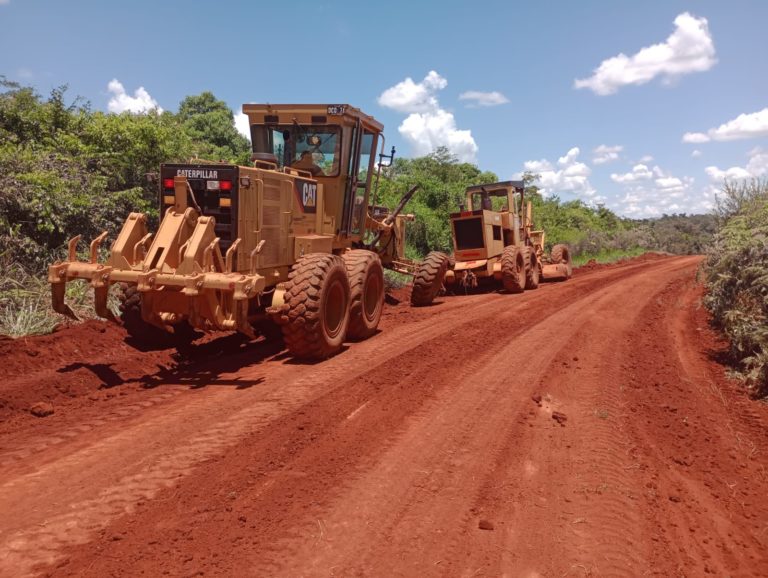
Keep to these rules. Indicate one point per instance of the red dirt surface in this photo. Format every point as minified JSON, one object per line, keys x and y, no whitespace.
{"x":585,"y":428}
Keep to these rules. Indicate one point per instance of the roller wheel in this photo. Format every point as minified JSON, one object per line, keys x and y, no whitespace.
{"x":533,"y":272}
{"x":366,"y":292}
{"x":315,"y":315}
{"x":513,"y":269}
{"x":146,"y":333}
{"x":429,"y":278}
{"x":562,"y":254}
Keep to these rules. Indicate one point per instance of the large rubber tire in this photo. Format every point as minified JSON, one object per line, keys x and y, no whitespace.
{"x":429,"y":278}
{"x":315,"y":315}
{"x":366,"y":292}
{"x":513,"y":269}
{"x":562,"y":254}
{"x":533,"y":273}
{"x":146,"y":333}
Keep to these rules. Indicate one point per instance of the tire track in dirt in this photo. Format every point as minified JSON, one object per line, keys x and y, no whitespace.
{"x":361,"y":422}
{"x":215,"y":413}
{"x":164,"y":386}
{"x":404,"y":495}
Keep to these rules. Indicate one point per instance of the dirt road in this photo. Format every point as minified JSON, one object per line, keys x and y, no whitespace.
{"x":581,"y":429}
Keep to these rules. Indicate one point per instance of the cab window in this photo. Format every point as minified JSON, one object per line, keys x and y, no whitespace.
{"x":316,"y":149}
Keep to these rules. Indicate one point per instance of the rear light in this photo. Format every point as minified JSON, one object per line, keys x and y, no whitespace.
{"x":168,"y":183}
{"x":225,"y":185}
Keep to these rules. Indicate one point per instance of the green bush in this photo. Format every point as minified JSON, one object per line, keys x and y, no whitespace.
{"x":737,"y":279}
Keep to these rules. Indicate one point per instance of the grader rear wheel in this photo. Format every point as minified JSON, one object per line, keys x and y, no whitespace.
{"x":315,"y":315}
{"x":366,"y":284}
{"x":514,"y":269}
{"x":562,"y":254}
{"x":533,"y":272}
{"x":429,"y":278}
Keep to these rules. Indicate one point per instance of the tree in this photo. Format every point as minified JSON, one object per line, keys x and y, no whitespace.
{"x":209,"y":122}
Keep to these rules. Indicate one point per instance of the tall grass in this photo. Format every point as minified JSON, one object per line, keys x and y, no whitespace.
{"x":25,"y":302}
{"x":737,"y":279}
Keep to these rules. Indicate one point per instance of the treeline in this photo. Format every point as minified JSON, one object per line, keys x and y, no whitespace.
{"x":66,"y":169}
{"x":737,"y":279}
{"x":592,"y":232}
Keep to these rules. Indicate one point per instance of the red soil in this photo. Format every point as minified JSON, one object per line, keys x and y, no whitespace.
{"x":583,"y":428}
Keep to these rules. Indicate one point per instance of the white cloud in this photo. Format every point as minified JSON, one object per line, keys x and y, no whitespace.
{"x":757,"y":166}
{"x":428,"y":126}
{"x":120,"y":101}
{"x":606,"y":154}
{"x":409,"y":96}
{"x":744,"y":126}
{"x":688,"y":49}
{"x":695,"y":137}
{"x":654,"y":193}
{"x":242,"y":124}
{"x":696,"y":153}
{"x":478,"y":98}
{"x":570,"y":176}
{"x":646,"y":159}
{"x":640,"y":172}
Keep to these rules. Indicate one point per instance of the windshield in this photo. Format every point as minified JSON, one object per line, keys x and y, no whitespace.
{"x":315,"y":149}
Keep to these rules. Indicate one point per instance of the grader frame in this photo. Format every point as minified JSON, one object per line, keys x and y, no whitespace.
{"x":235,"y":243}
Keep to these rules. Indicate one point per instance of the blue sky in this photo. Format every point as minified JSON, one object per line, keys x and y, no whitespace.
{"x":494,"y":81}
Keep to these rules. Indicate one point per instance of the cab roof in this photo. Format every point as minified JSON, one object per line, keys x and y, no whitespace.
{"x":309,"y":113}
{"x":499,"y":188}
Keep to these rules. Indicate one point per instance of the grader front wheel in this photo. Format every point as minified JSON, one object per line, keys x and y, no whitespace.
{"x":366,"y":284}
{"x":562,"y":254}
{"x":533,"y":272}
{"x":513,"y":269}
{"x":429,"y":278}
{"x":315,"y":316}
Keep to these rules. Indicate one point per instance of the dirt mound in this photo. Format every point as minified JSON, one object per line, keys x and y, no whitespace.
{"x":69,"y":366}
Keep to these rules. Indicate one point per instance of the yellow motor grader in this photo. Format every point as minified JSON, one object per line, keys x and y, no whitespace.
{"x":289,"y":240}
{"x":494,"y":241}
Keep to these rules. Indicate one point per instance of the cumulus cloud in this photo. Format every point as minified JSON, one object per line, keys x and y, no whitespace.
{"x":242,"y":124}
{"x":646,"y":159}
{"x":410,"y":97}
{"x":477,"y":98}
{"x":568,"y":176}
{"x":744,"y":126}
{"x":428,"y":126}
{"x":639,"y":172}
{"x":652,"y":192}
{"x":688,"y":49}
{"x":606,"y":154}
{"x":695,"y":137}
{"x":696,"y":153}
{"x":757,"y":166}
{"x":121,"y":101}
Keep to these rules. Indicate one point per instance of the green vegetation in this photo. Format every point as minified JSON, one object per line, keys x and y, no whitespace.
{"x":737,"y":279}
{"x":67,"y":170}
{"x":592,"y":232}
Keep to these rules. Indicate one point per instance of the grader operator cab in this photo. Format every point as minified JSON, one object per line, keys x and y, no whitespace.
{"x":494,"y":241}
{"x":282,"y":241}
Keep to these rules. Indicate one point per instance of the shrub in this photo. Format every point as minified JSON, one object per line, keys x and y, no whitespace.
{"x":737,"y":279}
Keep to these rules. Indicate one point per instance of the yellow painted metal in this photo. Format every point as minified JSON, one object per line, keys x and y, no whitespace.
{"x":181,"y":272}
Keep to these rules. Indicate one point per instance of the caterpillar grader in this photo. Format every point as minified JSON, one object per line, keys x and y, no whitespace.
{"x":288,"y":241}
{"x":494,"y":243}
